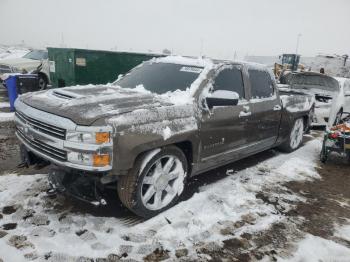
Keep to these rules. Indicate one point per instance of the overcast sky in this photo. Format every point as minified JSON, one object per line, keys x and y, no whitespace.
{"x":216,"y":28}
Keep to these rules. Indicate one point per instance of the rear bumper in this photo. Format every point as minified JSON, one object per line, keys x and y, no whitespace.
{"x":321,"y":116}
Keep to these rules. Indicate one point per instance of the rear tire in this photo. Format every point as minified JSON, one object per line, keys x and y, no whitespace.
{"x":295,"y":137}
{"x":155,"y":183}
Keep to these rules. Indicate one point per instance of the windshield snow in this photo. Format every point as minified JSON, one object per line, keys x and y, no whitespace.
{"x":37,"y":55}
{"x":161,"y":78}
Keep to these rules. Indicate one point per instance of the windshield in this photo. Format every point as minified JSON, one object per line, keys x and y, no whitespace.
{"x":160,"y":77}
{"x":312,"y":81}
{"x":36,"y":55}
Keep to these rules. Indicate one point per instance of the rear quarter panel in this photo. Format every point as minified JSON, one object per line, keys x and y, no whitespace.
{"x":294,"y":106}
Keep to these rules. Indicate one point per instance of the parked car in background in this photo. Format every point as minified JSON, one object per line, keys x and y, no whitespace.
{"x":35,"y":60}
{"x":163,"y":122}
{"x":341,"y":103}
{"x":328,"y":92}
{"x":7,"y":52}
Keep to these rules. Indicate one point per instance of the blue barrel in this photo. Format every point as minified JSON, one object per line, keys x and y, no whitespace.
{"x":20,"y":84}
{"x":11,"y":85}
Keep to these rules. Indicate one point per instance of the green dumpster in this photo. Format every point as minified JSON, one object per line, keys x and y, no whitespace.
{"x":70,"y":66}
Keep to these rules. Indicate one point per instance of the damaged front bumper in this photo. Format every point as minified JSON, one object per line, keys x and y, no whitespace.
{"x":82,"y":186}
{"x":48,"y":137}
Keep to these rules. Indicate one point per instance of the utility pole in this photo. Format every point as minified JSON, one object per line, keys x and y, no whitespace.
{"x":201,"y":52}
{"x":298,"y":39}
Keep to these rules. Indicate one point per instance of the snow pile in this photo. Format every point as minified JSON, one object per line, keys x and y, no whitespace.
{"x":6,"y":117}
{"x":4,"y":104}
{"x":343,"y":232}
{"x":45,"y":226}
{"x":12,"y":52}
{"x":315,"y":249}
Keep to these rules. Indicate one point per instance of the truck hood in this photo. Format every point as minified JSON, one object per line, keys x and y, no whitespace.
{"x":21,"y":63}
{"x":86,"y":104}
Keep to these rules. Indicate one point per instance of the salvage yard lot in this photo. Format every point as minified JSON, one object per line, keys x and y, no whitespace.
{"x":269,"y":206}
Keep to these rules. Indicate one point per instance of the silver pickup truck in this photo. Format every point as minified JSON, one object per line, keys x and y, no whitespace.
{"x":166,"y":120}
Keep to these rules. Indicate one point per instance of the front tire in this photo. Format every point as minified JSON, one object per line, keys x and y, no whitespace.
{"x":42,"y":82}
{"x":155,"y":183}
{"x":295,"y":138}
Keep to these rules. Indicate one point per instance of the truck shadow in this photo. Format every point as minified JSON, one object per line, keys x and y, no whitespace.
{"x":217,"y":174}
{"x":115,"y":208}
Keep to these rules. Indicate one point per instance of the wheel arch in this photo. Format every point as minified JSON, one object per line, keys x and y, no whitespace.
{"x":186,"y":146}
{"x":42,"y":74}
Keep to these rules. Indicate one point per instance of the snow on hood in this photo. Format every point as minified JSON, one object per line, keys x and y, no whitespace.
{"x":21,"y":63}
{"x":86,"y":104}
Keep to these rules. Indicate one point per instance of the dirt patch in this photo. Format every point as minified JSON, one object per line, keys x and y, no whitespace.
{"x":9,"y":226}
{"x":328,"y":199}
{"x":10,"y":153}
{"x":327,"y":204}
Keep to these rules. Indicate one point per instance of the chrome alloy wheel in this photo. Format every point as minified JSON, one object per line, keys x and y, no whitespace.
{"x":296,"y":135}
{"x":163,"y":182}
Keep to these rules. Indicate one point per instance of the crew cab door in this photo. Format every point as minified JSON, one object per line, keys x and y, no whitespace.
{"x":265,"y":108}
{"x":221,"y":129}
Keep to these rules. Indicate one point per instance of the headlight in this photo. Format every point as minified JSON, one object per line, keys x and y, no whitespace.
{"x":19,"y":70}
{"x":15,"y":70}
{"x":97,"y":160}
{"x":89,"y":137}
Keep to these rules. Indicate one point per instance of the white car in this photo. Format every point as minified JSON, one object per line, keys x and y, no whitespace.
{"x":332,"y":95}
{"x":27,"y":64}
{"x":341,"y":102}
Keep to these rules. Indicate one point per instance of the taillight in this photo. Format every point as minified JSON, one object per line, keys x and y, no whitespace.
{"x":334,"y":135}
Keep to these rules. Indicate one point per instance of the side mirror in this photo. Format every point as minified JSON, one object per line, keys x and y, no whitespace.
{"x":347,"y":93}
{"x":222,"y":98}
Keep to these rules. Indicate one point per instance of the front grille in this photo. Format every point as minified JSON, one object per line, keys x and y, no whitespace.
{"x":43,"y":127}
{"x":5,"y":69}
{"x":44,"y":148}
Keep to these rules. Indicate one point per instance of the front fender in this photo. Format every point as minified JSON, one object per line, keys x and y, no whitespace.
{"x":137,"y":139}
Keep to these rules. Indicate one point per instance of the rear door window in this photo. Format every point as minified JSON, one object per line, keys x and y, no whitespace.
{"x":230,"y":79}
{"x":261,"y":84}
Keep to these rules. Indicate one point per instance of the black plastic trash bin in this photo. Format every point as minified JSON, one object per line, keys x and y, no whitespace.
{"x":20,"y":84}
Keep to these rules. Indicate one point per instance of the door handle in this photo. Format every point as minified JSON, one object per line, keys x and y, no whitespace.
{"x":245,"y":112}
{"x":246,"y":109}
{"x":277,"y":108}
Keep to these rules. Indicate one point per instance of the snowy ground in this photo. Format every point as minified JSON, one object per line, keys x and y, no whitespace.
{"x":246,"y":202}
{"x":5,"y":116}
